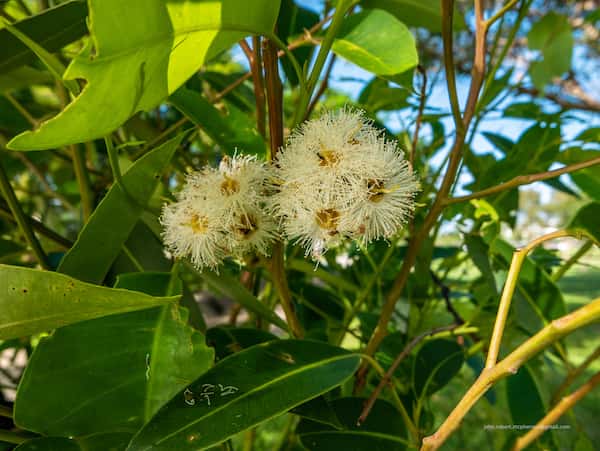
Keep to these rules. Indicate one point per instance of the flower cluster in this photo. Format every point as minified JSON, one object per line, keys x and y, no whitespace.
{"x":219,"y":213}
{"x":337,"y":178}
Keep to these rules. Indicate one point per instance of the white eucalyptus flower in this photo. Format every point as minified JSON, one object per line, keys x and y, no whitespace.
{"x":219,"y":213}
{"x":338,"y":177}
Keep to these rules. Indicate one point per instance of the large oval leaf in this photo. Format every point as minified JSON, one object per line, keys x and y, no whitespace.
{"x":102,"y":238}
{"x":378,"y":42}
{"x":244,"y":390}
{"x":382,"y":431}
{"x":36,"y":301}
{"x":111,"y":373}
{"x":140,"y":52}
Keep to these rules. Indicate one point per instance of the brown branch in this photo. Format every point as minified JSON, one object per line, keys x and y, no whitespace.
{"x":574,"y":374}
{"x":259,"y":87}
{"x":556,"y":412}
{"x":523,"y":180}
{"x":275,"y":109}
{"x":390,"y":372}
{"x":322,"y":87}
{"x":584,"y":104}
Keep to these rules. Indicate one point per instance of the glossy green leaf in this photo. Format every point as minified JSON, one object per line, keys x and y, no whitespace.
{"x":378,"y":95}
{"x":232,"y":288}
{"x":382,"y":431}
{"x":102,"y":237}
{"x":142,"y":61}
{"x":52,"y":29}
{"x":111,"y":441}
{"x":416,"y":13}
{"x":36,"y":301}
{"x":320,"y":410}
{"x":229,"y":340}
{"x":587,"y":219}
{"x":112,"y":373}
{"x":378,"y":42}
{"x":244,"y":390}
{"x":588,"y":179}
{"x":218,"y":126}
{"x":524,"y":399}
{"x":435,"y":364}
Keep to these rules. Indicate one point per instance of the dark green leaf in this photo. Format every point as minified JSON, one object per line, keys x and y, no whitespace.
{"x":382,"y":431}
{"x":233,"y":289}
{"x":52,"y":29}
{"x":23,"y":77}
{"x":243,"y":390}
{"x":229,"y":135}
{"x":378,"y":42}
{"x":416,"y":13}
{"x":378,"y":95}
{"x":588,"y":179}
{"x":587,"y":219}
{"x":435,"y":364}
{"x":524,"y":399}
{"x":229,"y":340}
{"x":36,"y":301}
{"x":103,"y":236}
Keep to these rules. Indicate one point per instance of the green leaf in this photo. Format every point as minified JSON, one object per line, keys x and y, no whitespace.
{"x":587,"y":220}
{"x":52,"y":63}
{"x":378,"y":42}
{"x":243,"y":390}
{"x":377,"y":95}
{"x":553,"y":37}
{"x":36,"y":301}
{"x":112,"y":441}
{"x":23,"y":77}
{"x":524,"y":399}
{"x":588,"y":179}
{"x":112,"y":373}
{"x":52,"y":29}
{"x":229,"y":340}
{"x":416,"y":13}
{"x":101,"y":239}
{"x":220,"y":128}
{"x":232,"y":288}
{"x":382,"y":431}
{"x":318,"y":410}
{"x":141,"y":61}
{"x":436,"y":363}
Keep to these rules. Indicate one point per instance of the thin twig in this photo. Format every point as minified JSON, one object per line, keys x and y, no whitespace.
{"x":33,"y":121}
{"x":39,"y":227}
{"x":259,"y":87}
{"x":585,"y":247}
{"x":322,"y":87}
{"x":21,"y":219}
{"x":275,"y":109}
{"x":524,"y":180}
{"x":85,"y":191}
{"x":574,"y":374}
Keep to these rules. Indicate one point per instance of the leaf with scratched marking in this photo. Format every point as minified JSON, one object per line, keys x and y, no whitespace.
{"x":243,"y":390}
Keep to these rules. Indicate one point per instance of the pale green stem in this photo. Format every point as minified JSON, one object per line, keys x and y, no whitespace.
{"x":572,"y":260}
